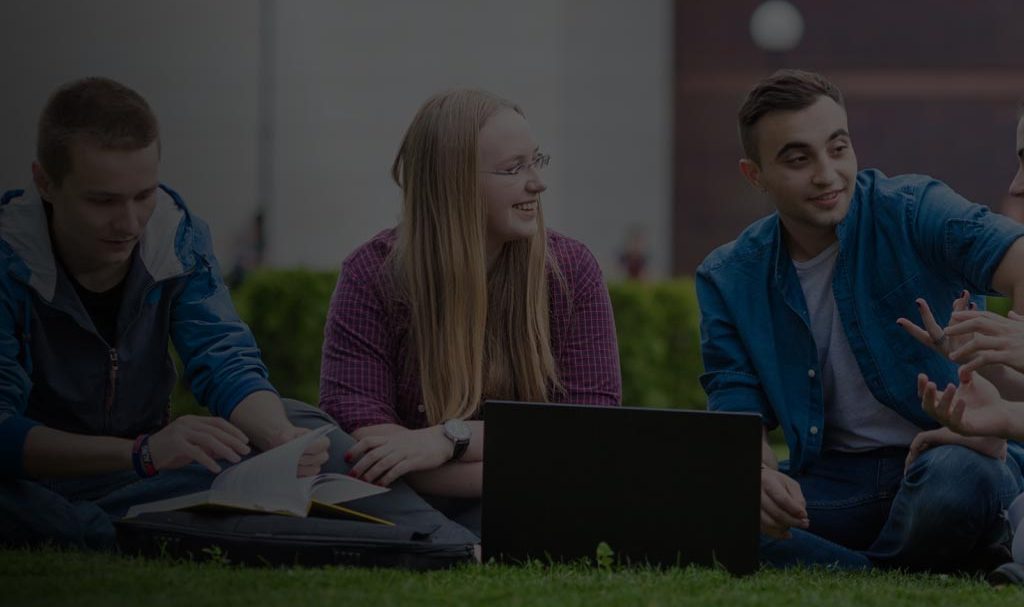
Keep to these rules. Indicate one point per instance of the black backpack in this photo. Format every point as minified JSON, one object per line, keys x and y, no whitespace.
{"x":276,"y":540}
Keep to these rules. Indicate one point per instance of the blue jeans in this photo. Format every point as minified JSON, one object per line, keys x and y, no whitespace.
{"x":80,"y":512}
{"x":864,"y":512}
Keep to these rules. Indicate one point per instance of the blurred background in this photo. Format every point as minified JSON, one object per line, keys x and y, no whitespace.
{"x":281,"y":118}
{"x":288,"y":114}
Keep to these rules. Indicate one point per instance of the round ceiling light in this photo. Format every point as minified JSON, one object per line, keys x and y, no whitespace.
{"x":776,"y":25}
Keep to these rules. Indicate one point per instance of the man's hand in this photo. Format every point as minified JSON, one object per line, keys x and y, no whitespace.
{"x":383,"y":459}
{"x":973,"y":409}
{"x":193,"y":438}
{"x":782,"y":504}
{"x":990,"y":447}
{"x":932,"y":334}
{"x":990,"y":339}
{"x":313,"y":457}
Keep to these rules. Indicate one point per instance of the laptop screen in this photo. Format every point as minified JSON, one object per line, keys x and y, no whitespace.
{"x":657,"y":486}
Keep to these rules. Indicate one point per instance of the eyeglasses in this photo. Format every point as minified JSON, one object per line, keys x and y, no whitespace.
{"x":539,"y":162}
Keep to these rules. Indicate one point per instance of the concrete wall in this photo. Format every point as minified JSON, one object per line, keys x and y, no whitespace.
{"x":345,"y":78}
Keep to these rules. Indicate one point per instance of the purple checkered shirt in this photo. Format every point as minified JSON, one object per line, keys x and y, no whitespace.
{"x":366,"y":376}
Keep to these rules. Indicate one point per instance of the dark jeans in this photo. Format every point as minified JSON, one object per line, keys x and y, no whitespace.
{"x":864,"y":512}
{"x":81,"y":512}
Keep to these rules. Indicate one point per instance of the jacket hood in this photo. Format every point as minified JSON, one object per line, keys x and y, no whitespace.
{"x":23,"y":227}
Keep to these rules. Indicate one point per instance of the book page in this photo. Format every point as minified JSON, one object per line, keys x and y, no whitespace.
{"x":268,"y":481}
{"x":336,"y":488}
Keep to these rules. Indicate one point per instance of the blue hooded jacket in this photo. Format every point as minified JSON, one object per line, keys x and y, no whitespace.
{"x":56,"y":369}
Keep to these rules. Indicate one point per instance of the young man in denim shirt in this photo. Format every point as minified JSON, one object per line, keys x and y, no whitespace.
{"x":799,"y":325}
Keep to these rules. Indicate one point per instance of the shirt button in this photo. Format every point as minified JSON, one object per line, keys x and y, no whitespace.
{"x":811,"y":373}
{"x":421,"y":408}
{"x":814,"y":429}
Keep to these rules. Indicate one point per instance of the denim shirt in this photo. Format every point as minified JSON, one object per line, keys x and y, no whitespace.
{"x":903,"y":237}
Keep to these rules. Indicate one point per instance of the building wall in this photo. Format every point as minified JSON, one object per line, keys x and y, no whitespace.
{"x":931,"y":87}
{"x":341,"y":82}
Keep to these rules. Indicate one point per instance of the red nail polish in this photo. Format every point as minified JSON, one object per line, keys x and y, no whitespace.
{"x":348,"y":457}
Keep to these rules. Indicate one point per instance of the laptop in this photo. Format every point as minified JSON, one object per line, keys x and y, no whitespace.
{"x":659,"y":487}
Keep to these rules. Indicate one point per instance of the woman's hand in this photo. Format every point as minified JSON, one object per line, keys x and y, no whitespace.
{"x":990,"y":339}
{"x":975,"y":408}
{"x":932,"y":334}
{"x":383,"y":459}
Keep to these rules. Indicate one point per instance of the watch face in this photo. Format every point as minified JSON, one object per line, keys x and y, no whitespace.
{"x":458,"y":429}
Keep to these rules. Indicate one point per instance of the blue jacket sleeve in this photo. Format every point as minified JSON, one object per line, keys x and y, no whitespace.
{"x":15,"y":386}
{"x":964,"y":238}
{"x":730,"y":380}
{"x":221,"y":359}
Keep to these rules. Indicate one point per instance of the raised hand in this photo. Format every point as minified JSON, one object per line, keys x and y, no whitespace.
{"x":972,"y":409}
{"x":932,"y":334}
{"x":990,"y":339}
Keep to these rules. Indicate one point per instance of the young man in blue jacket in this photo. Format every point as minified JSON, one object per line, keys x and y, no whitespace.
{"x":98,"y":269}
{"x":799,"y":325}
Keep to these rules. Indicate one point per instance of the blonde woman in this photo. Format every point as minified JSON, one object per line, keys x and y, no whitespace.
{"x":468,"y":298}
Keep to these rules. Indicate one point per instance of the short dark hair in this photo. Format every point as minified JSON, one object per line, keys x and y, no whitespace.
{"x":785,"y":90}
{"x":107,"y":112}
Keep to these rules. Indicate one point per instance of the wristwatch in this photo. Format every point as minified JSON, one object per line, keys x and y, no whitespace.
{"x":459,"y":433}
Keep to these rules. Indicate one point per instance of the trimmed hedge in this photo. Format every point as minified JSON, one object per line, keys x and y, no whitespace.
{"x":286,"y":311}
{"x":656,"y":324}
{"x":658,"y":327}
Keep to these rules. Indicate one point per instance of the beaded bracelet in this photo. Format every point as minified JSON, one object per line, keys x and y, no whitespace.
{"x":142,"y":458}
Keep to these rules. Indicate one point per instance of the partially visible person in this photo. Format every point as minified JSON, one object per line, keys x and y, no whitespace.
{"x":99,"y":269}
{"x":1017,"y":185}
{"x":990,"y":351}
{"x":469,"y":298}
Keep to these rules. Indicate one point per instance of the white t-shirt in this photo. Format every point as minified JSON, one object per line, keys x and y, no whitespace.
{"x":854,"y":419}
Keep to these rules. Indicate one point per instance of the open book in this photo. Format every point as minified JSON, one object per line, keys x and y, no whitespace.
{"x":268,"y":483}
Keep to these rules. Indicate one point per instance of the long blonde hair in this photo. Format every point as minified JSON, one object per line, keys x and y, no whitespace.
{"x":476,"y":334}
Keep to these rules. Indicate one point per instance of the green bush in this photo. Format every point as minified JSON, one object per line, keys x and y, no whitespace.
{"x":659,"y":343}
{"x":287,"y":310}
{"x":656,"y":323}
{"x":657,"y":326}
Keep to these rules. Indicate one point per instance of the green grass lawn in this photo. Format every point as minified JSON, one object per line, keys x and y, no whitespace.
{"x":49,"y":577}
